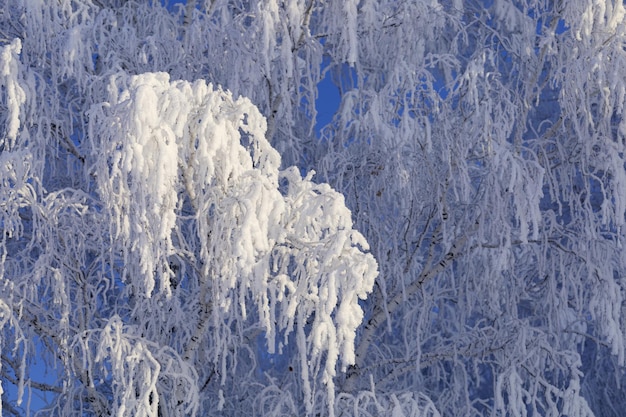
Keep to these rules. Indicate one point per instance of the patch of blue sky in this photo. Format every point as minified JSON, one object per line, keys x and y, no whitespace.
{"x":327,"y":102}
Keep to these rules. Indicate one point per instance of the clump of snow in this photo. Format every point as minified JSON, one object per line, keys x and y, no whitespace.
{"x":291,"y":250}
{"x":14,"y":96}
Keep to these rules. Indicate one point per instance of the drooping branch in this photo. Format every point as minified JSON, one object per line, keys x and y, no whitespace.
{"x":457,"y":249}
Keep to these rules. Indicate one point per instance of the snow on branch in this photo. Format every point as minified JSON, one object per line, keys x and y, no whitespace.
{"x":139,"y":368}
{"x":8,"y":319}
{"x":290,"y":249}
{"x":14,"y":96}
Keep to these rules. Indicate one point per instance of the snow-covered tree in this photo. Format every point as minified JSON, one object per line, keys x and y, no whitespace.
{"x":168,"y":249}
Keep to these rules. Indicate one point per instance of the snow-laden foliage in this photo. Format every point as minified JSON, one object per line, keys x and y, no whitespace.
{"x":160,"y":256}
{"x":294,"y":254}
{"x":14,"y":94}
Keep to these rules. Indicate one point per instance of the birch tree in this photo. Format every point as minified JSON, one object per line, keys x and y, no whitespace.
{"x":183,"y":236}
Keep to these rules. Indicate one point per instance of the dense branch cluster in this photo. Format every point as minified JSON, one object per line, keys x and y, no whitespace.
{"x":185,"y":231}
